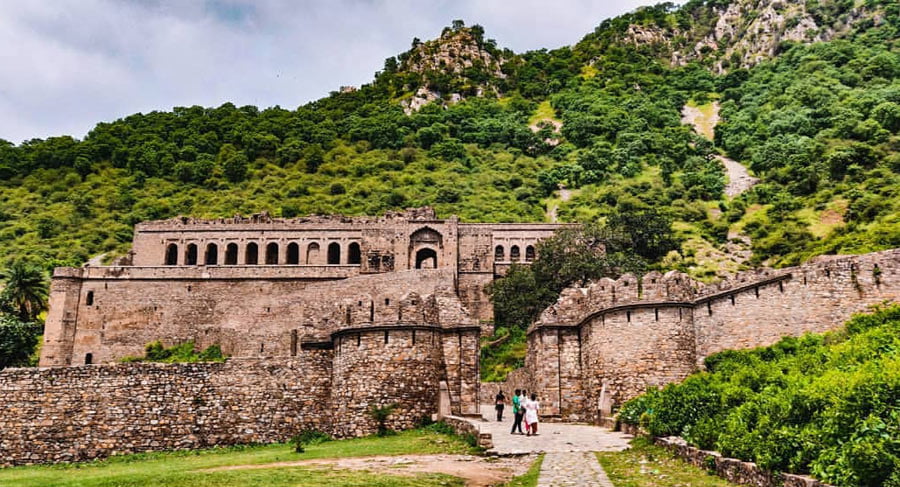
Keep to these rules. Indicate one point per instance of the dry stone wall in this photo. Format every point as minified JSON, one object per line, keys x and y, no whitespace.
{"x":87,"y":412}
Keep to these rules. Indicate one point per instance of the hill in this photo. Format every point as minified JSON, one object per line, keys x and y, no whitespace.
{"x":808,"y":95}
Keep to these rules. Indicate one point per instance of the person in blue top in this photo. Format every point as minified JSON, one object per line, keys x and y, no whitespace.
{"x":517,"y":412}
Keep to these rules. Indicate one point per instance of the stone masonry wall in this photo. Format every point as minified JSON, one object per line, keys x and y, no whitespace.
{"x":81,"y":413}
{"x":376,"y":368}
{"x":633,"y":334}
{"x":111,"y":313}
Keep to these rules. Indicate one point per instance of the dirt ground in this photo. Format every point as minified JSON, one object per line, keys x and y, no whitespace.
{"x":477,"y":471}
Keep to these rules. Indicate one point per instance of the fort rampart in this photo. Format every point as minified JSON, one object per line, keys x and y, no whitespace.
{"x":608,"y":342}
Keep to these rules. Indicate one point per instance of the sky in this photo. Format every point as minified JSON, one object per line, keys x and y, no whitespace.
{"x":67,"y":64}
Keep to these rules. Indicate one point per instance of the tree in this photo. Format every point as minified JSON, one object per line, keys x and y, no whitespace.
{"x":17,"y":341}
{"x":233,"y":162}
{"x":648,"y":231}
{"x":25,"y":290}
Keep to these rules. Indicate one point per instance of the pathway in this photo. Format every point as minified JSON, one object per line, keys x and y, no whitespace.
{"x":575,"y":469}
{"x":739,"y":180}
{"x":569,"y":448}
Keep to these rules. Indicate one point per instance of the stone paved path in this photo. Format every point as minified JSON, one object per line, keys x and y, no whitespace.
{"x":553,"y":437}
{"x":575,"y":469}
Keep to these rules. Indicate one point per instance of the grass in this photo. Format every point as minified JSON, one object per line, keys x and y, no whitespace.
{"x":529,"y":478}
{"x":544,"y":111}
{"x":185,"y":468}
{"x":647,"y":465}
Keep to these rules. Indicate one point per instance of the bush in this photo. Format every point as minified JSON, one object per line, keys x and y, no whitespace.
{"x":825,"y":404}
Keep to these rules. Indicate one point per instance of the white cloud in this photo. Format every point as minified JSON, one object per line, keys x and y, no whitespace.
{"x":66,"y":65}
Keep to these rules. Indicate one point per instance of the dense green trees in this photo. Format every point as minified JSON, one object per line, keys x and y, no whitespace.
{"x":23,"y":297}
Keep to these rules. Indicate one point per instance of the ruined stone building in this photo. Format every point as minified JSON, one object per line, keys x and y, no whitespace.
{"x":262,"y":287}
{"x":327,"y":317}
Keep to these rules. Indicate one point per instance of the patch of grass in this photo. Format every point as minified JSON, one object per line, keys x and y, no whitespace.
{"x":544,"y":111}
{"x":529,"y":478}
{"x":647,"y":465}
{"x":186,"y":468}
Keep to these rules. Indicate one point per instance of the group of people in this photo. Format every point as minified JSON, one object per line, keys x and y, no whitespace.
{"x":525,"y":410}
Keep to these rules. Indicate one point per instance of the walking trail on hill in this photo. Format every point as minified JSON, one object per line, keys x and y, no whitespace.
{"x":569,"y":449}
{"x":704,"y":120}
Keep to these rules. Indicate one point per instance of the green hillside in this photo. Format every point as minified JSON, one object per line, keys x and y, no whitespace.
{"x":824,"y":405}
{"x":495,"y":134}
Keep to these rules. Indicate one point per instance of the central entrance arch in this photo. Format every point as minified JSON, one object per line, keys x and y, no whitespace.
{"x":425,"y":244}
{"x":426,"y":259}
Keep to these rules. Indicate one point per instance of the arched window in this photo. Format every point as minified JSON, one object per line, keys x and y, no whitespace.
{"x":212,"y":254}
{"x":312,"y":253}
{"x":353,"y":254}
{"x":252,"y":257}
{"x":529,"y":253}
{"x":426,"y":259}
{"x":231,"y":254}
{"x":172,"y":254}
{"x":334,"y":253}
{"x":190,"y":257}
{"x":499,"y":254}
{"x":293,"y":253}
{"x":272,"y":253}
{"x":89,"y":300}
{"x":514,"y":253}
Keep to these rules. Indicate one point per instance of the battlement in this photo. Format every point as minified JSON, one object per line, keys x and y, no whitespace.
{"x":609,"y":341}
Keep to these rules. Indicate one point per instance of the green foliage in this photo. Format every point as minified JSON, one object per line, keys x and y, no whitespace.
{"x":25,"y":290}
{"x":17,"y":341}
{"x":819,"y":404}
{"x":180,"y":353}
{"x":308,"y":438}
{"x":381,"y":414}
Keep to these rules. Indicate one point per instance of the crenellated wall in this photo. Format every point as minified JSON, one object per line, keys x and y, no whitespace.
{"x":609,"y":341}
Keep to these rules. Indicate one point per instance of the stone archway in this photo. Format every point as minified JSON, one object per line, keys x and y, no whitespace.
{"x":426,"y":258}
{"x":425,"y":244}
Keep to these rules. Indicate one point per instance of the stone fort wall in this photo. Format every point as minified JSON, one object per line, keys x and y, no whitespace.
{"x":603,"y":344}
{"x":65,"y":414}
{"x":102,"y":314}
{"x":82,"y":413}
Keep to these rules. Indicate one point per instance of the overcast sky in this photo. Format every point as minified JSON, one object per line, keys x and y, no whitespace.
{"x":66,"y":65}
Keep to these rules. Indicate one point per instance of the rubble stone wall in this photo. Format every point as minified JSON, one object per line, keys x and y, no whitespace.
{"x":87,"y":412}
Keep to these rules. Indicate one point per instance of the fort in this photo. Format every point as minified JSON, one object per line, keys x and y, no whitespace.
{"x":326,"y":317}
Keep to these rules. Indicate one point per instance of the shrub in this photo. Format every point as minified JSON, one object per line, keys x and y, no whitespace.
{"x":825,"y":404}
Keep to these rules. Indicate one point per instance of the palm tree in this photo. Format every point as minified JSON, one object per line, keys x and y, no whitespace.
{"x":25,"y":290}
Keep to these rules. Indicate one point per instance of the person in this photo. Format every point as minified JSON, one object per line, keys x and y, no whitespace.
{"x":517,"y":412}
{"x":499,"y":404}
{"x":531,"y":415}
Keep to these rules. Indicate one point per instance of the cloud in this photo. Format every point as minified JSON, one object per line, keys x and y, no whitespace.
{"x":66,"y":65}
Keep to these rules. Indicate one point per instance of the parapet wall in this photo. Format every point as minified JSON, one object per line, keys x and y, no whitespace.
{"x":100,"y":315}
{"x":608,"y":342}
{"x":87,"y":412}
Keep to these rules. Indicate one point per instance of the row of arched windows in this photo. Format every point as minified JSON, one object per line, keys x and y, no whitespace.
{"x":270,"y":255}
{"x":514,"y":254}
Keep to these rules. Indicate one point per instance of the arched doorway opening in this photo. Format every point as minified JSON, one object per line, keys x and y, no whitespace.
{"x":172,"y":254}
{"x":190,"y":257}
{"x":293,"y":253}
{"x":212,"y":254}
{"x":272,"y":253}
{"x":252,"y":255}
{"x":231,"y":252}
{"x":334,"y":253}
{"x":426,"y":259}
{"x":353,"y":254}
